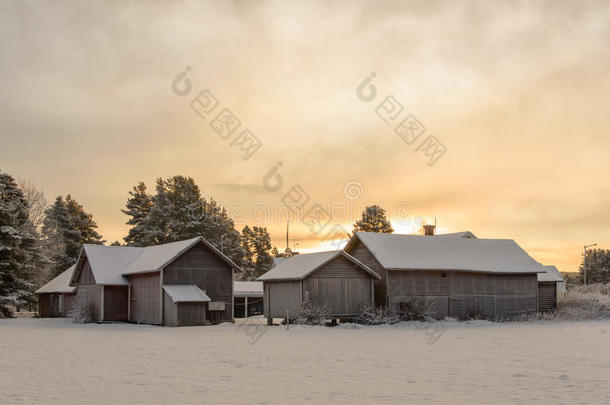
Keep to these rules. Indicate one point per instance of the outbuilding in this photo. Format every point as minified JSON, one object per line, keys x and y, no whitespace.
{"x":188,"y":282}
{"x":463,"y":277}
{"x":333,"y":279}
{"x":57,"y":298}
{"x":549,"y":284}
{"x":248,"y":298}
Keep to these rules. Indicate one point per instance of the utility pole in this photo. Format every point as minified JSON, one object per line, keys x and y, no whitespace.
{"x":584,"y":260}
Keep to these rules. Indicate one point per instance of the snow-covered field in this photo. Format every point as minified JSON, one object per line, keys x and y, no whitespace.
{"x":54,"y":361}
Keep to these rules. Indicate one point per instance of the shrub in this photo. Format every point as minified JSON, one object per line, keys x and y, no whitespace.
{"x":417,"y":309}
{"x":370,"y":315}
{"x":83,"y":315}
{"x":312,"y":315}
{"x":585,"y":302}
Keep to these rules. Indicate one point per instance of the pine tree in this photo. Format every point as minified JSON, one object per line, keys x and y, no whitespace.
{"x":257,"y":260}
{"x":17,"y":247}
{"x":178,"y":212}
{"x":137,"y":207}
{"x":65,"y":229}
{"x":373,"y":220}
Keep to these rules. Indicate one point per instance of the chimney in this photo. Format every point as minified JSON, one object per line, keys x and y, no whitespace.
{"x":429,"y":230}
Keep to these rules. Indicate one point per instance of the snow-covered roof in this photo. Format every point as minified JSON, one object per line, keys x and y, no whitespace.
{"x":60,"y":284}
{"x":278,"y":260}
{"x":302,"y":265}
{"x":185,"y":293}
{"x":414,"y":252}
{"x":463,"y":234}
{"x":110,"y":264}
{"x":551,"y":273}
{"x":153,"y":258}
{"x":248,"y":288}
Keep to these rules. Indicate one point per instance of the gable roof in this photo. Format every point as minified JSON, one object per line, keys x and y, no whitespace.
{"x":551,"y":273}
{"x":110,"y":264}
{"x":248,"y":288}
{"x":302,"y":265}
{"x":278,"y":260}
{"x":185,"y":293}
{"x":414,"y":252}
{"x":60,"y":284}
{"x":463,"y":234}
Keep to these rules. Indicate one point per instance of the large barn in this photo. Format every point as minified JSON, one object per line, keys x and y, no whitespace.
{"x":57,"y":298}
{"x":181,"y":283}
{"x":463,"y":276}
{"x":334,"y":278}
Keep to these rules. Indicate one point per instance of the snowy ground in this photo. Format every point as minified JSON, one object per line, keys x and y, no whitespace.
{"x":54,"y":361}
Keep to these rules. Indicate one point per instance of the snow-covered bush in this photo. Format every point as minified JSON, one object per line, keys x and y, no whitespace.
{"x":584,"y":302}
{"x":312,"y":315}
{"x":417,"y":309}
{"x":370,"y":315}
{"x":83,"y":315}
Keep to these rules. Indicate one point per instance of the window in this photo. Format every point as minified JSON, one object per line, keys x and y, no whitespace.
{"x":444,"y":275}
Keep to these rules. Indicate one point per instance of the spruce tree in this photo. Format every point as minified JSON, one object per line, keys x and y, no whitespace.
{"x":17,"y":247}
{"x":65,"y":229}
{"x":373,"y":220}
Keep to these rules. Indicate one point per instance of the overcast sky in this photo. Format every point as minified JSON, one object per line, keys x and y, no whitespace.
{"x":517,"y":93}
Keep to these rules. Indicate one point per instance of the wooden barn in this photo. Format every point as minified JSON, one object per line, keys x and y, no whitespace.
{"x":549,"y":284}
{"x":57,"y":298}
{"x":462,"y":276}
{"x":181,"y":283}
{"x":335,"y":279}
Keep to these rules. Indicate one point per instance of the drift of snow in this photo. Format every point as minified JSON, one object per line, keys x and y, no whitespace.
{"x":54,"y":361}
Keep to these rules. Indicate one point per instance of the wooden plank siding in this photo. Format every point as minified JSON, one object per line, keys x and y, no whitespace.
{"x":202,"y":267}
{"x":464,"y":294}
{"x":339,"y":284}
{"x":282,"y":296}
{"x":54,"y":305}
{"x":90,"y":295}
{"x":360,"y":252}
{"x":191,"y":313}
{"x":547,"y":296}
{"x":145,"y":298}
{"x":170,"y":311}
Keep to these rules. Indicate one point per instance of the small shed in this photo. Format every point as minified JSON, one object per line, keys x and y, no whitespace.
{"x":56,"y":298}
{"x":248,"y":298}
{"x":334,"y":279}
{"x":185,"y":305}
{"x":549,"y":284}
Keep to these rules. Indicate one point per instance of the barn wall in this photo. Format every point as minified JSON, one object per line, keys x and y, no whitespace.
{"x":191,"y":313}
{"x":282,"y":296}
{"x":115,"y":303}
{"x":90,"y":296}
{"x":202,"y":267}
{"x":360,"y":252}
{"x":341,"y":285}
{"x":86,"y":275}
{"x":145,"y":298}
{"x":69,"y":304}
{"x":462,"y":294}
{"x":344,"y":296}
{"x":547,"y":297}
{"x":170,"y":311}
